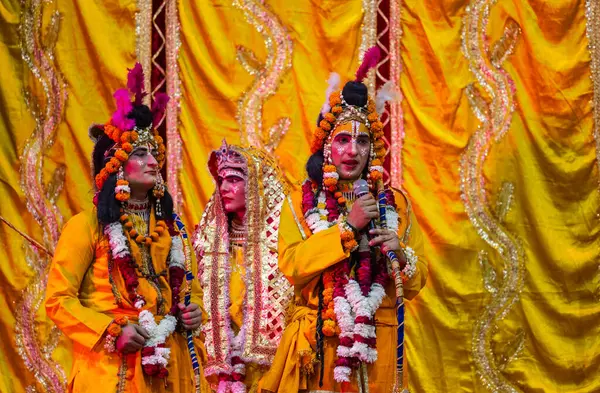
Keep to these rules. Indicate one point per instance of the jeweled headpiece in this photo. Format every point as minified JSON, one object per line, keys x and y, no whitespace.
{"x":130,"y":126}
{"x":230,"y":162}
{"x":351,"y":109}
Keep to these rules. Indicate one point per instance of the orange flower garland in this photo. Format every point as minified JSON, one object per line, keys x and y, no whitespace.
{"x":140,"y":239}
{"x":328,"y":314}
{"x":349,"y":242}
{"x":113,"y":331}
{"x":330,"y":177}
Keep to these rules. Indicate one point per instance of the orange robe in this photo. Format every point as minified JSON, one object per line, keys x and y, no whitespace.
{"x":302,"y":261}
{"x":81,"y":300}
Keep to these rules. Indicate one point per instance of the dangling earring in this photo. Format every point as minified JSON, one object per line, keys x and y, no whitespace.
{"x":122,"y":190}
{"x":330,"y":175}
{"x":158,"y":192}
{"x":375,"y":169}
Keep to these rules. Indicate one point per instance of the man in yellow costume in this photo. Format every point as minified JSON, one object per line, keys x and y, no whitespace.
{"x":245,"y":294}
{"x":343,"y":332}
{"x":121,"y":283}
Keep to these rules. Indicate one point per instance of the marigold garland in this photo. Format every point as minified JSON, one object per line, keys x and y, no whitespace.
{"x":328,"y":314}
{"x":155,"y":354}
{"x":139,"y":239}
{"x":114,"y":330}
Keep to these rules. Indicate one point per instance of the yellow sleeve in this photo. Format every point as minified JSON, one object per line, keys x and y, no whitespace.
{"x":197,"y":296}
{"x":416,"y":242}
{"x":74,"y":254}
{"x":301,"y":260}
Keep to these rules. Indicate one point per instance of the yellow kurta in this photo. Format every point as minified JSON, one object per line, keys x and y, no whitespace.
{"x":302,"y":261}
{"x":81,"y":301}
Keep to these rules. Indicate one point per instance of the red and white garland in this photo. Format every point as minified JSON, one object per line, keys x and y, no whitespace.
{"x":155,"y":354}
{"x":355,"y":305}
{"x":234,"y":382}
{"x":356,"y":300}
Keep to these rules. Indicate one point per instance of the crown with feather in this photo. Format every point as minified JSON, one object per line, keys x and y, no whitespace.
{"x":353,"y":104}
{"x":130,"y":126}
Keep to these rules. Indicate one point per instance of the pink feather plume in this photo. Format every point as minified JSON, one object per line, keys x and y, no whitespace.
{"x":158,"y":107}
{"x":135,"y":83}
{"x":370,"y":60}
{"x":119,"y":118}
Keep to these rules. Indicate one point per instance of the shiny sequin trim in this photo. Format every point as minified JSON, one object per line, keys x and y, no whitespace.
{"x":268,"y":76}
{"x":37,"y":47}
{"x":174,"y":143}
{"x":497,"y":118}
{"x":143,"y":45}
{"x":368,"y":37}
{"x":396,"y":113}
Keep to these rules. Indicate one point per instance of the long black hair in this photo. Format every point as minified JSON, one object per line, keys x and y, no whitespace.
{"x":109,"y":208}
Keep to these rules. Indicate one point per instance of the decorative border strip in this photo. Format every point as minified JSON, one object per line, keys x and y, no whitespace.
{"x":396,"y":114}
{"x":143,"y":47}
{"x":498,"y":84}
{"x":592,"y":16}
{"x":174,"y":143}
{"x":368,"y":31}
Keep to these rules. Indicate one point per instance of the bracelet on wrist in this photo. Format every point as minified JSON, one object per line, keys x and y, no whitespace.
{"x":114,"y":330}
{"x":348,"y":236}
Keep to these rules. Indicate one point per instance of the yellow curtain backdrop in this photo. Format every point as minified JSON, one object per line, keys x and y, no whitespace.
{"x":511,"y":303}
{"x":508,"y":201}
{"x":248,"y":69}
{"x":61,"y":61}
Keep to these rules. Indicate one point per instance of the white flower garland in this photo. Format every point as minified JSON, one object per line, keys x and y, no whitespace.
{"x":177,"y":257}
{"x":123,"y":188}
{"x":411,"y":263}
{"x":364,"y":306}
{"x":117,"y":240}
{"x":354,"y":304}
{"x":316,"y":218}
{"x":158,"y":332}
{"x":391,"y":218}
{"x":345,"y":320}
{"x":240,"y":368}
{"x":158,"y":335}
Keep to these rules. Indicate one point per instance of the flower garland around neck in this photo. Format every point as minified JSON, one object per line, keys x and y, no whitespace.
{"x":349,"y":303}
{"x":155,"y":353}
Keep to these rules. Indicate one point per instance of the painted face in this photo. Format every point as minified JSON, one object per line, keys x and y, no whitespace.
{"x":141,"y":169}
{"x":350,"y":153}
{"x":233,"y":194}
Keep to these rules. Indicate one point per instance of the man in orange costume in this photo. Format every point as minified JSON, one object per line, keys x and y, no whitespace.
{"x":245,"y":294}
{"x":120,"y":281}
{"x":342,"y":333}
